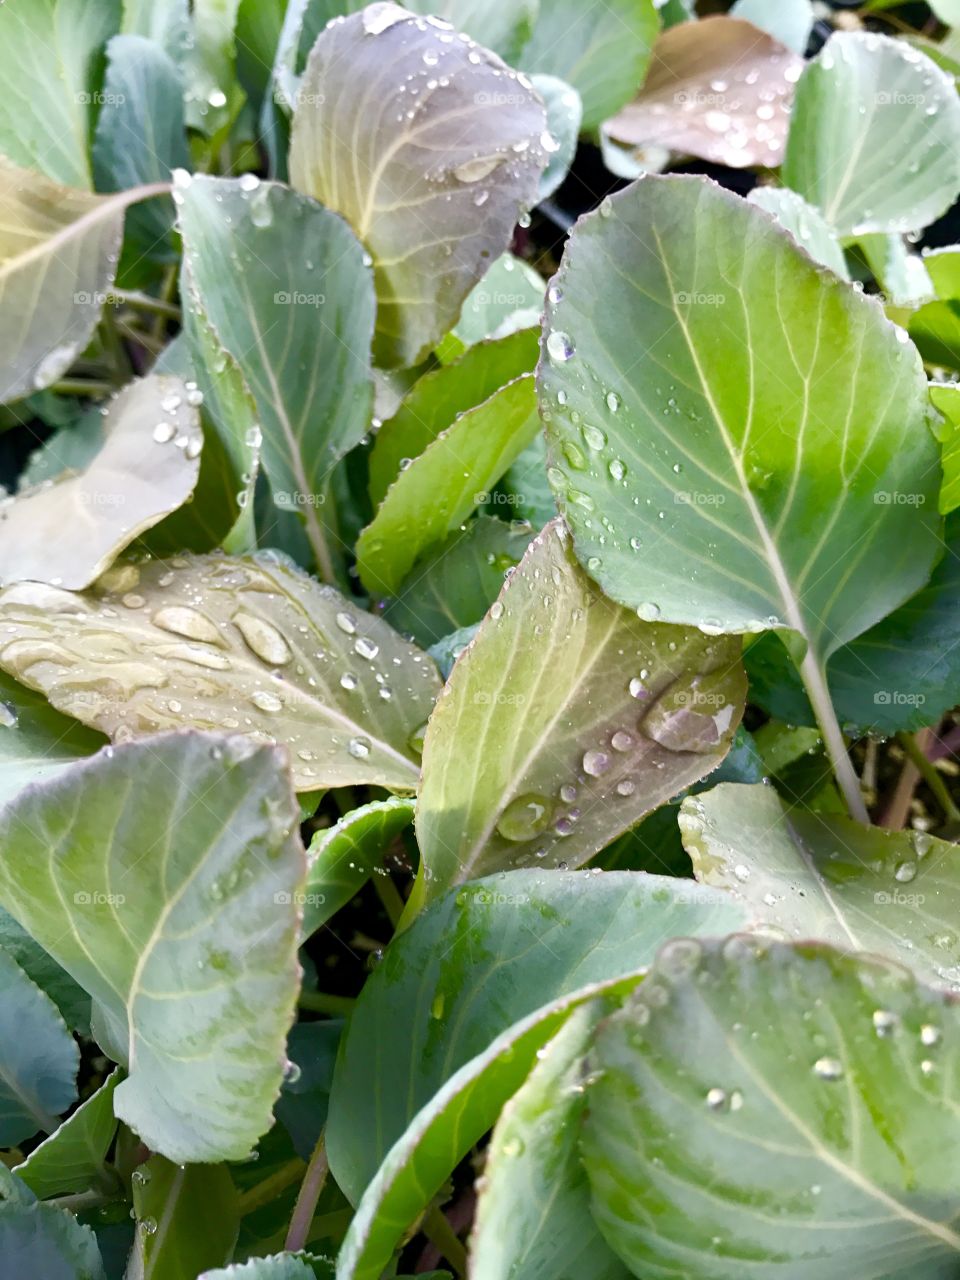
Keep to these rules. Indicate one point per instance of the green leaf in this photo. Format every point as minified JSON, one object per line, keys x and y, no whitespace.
{"x":453,"y":586}
{"x":899,"y":272}
{"x":479,"y":961}
{"x":807,"y":226}
{"x":820,"y":876}
{"x":281,"y":1266}
{"x":527,"y":488}
{"x":284,"y":289}
{"x":789,"y":21}
{"x":140,"y":135}
{"x":435,"y":401}
{"x":812,"y":1133}
{"x":454,"y":475}
{"x":36,"y":741}
{"x":171,"y":902}
{"x":268,"y":651}
{"x":38,"y":1058}
{"x":481,"y":128}
{"x":73,"y":1158}
{"x":503,"y":27}
{"x":39,"y":1240}
{"x":564,"y":118}
{"x":507,"y":299}
{"x":546,"y":753}
{"x":304,"y":1099}
{"x":58,"y":252}
{"x":533,"y":1210}
{"x":602,"y":52}
{"x":213,"y":95}
{"x":737,"y":451}
{"x":148,"y":467}
{"x":718,"y":89}
{"x":188,"y":1217}
{"x":343,"y":858}
{"x":67,"y":995}
{"x":49,"y":66}
{"x":901,"y":674}
{"x":862,"y":102}
{"x":166,"y":22}
{"x":946,"y":398}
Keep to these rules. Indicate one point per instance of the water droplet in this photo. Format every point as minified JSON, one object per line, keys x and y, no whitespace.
{"x":148,"y":1226}
{"x":595,"y":763}
{"x":613,"y":401}
{"x":183,"y":621}
{"x":164,"y":432}
{"x":717,"y":1099}
{"x":365,"y":647}
{"x":525,"y":817}
{"x":263,"y":638}
{"x":929,"y":1034}
{"x":359,"y":748}
{"x":621,"y":740}
{"x":884,"y":1021}
{"x":560,"y":346}
{"x":828,"y":1068}
{"x":346,"y":622}
{"x":905,"y":872}
{"x":266,"y":700}
{"x":291,"y":1072}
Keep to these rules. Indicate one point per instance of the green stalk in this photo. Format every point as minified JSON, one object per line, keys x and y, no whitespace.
{"x":310,"y":1189}
{"x":815,"y":682}
{"x":930,"y":774}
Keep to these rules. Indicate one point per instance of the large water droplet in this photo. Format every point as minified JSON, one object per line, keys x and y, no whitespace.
{"x":183,"y":621}
{"x":525,"y":817}
{"x":263,"y":638}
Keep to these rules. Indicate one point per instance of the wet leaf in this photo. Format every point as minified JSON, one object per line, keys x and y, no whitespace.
{"x":533,"y":1208}
{"x":69,"y":532}
{"x":805,"y":224}
{"x":74,"y":1157}
{"x":481,"y":959}
{"x":507,"y":299}
{"x":35,"y":740}
{"x":718,"y":89}
{"x":454,"y":130}
{"x":237,"y":644}
{"x":819,"y":1101}
{"x":41,"y":1240}
{"x":187,"y":1217}
{"x":172,"y":902}
{"x":895,"y":893}
{"x":566,"y":721}
{"x":736,"y":452}
{"x":789,"y":21}
{"x":882,"y":98}
{"x":452,"y":477}
{"x":602,"y":52}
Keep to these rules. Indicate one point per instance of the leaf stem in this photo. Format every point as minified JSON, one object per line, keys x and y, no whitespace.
{"x":815,"y":682}
{"x":931,"y":776}
{"x":146,"y":302}
{"x":443,"y":1237}
{"x":267,"y":1190}
{"x":82,"y":387}
{"x":320,"y":1002}
{"x":389,"y":896}
{"x":310,"y":1189}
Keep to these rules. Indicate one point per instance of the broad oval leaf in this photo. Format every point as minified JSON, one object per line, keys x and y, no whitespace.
{"x":864,"y":101}
{"x":789,"y":21}
{"x":342,"y":859}
{"x":68,"y":533}
{"x":38,"y":1058}
{"x":486,"y":956}
{"x":718,"y":89}
{"x":736,"y":451}
{"x":506,"y":299}
{"x":603,"y":51}
{"x":74,"y":1157}
{"x":163,"y":876}
{"x":565,"y":721}
{"x":564,"y":118}
{"x":49,"y":64}
{"x":824,"y":876}
{"x":58,"y":254}
{"x":813,"y":1132}
{"x":242,"y":644}
{"x":42,"y":1240}
{"x":533,"y":1208}
{"x":436,"y":127}
{"x":437,"y":491}
{"x":805,"y":223}
{"x":282,"y":285}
